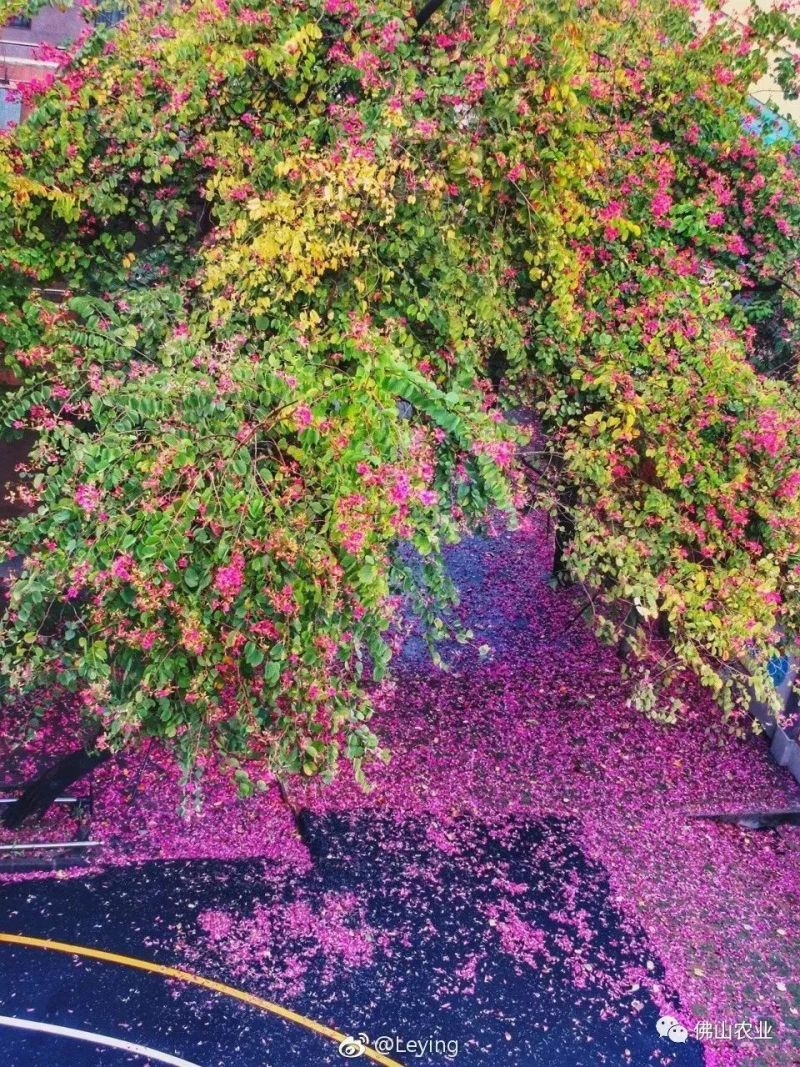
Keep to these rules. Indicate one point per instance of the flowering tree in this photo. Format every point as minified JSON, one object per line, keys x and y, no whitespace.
{"x":660,"y":232}
{"x":299,"y":243}
{"x":267,"y":377}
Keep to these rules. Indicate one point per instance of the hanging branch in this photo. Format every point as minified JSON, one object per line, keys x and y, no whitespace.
{"x":428,"y":11}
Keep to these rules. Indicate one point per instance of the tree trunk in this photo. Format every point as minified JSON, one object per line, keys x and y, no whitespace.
{"x":38,"y":796}
{"x":565,"y":530}
{"x":630,"y":624}
{"x":301,"y":817}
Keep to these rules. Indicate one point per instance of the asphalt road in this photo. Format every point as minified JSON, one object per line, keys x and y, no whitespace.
{"x":453,"y":962}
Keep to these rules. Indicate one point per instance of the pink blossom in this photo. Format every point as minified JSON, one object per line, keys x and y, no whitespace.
{"x":736,"y":245}
{"x":400,"y":491}
{"x":660,"y":205}
{"x":229,"y":579}
{"x":303,"y":416}
{"x":283,"y":600}
{"x":88,"y":497}
{"x":428,"y":497}
{"x":121,"y":568}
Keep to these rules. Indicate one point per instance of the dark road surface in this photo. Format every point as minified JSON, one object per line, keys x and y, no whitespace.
{"x":467,"y":972}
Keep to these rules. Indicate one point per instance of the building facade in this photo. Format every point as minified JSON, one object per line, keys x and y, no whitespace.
{"x":20,"y":40}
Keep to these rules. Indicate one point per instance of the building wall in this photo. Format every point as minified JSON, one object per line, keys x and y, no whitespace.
{"x":767,"y":91}
{"x":18,"y":60}
{"x":50,"y":26}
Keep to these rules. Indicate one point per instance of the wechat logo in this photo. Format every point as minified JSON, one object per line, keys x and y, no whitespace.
{"x":668,"y":1026}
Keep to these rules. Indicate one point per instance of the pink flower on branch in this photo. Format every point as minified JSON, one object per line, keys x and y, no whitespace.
{"x":229,"y":579}
{"x":88,"y":498}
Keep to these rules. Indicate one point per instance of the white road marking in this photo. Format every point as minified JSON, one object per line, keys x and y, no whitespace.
{"x":95,"y":1039}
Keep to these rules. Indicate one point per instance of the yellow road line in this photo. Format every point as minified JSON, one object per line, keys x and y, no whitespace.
{"x":195,"y":979}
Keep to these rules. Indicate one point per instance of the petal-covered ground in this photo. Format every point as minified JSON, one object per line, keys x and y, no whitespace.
{"x":503,"y":948}
{"x":548,"y":826}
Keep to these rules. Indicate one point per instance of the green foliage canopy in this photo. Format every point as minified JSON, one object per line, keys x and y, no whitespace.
{"x":298,"y":239}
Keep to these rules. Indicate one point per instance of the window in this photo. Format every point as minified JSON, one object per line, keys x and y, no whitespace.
{"x":111,"y":18}
{"x":9,"y":108}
